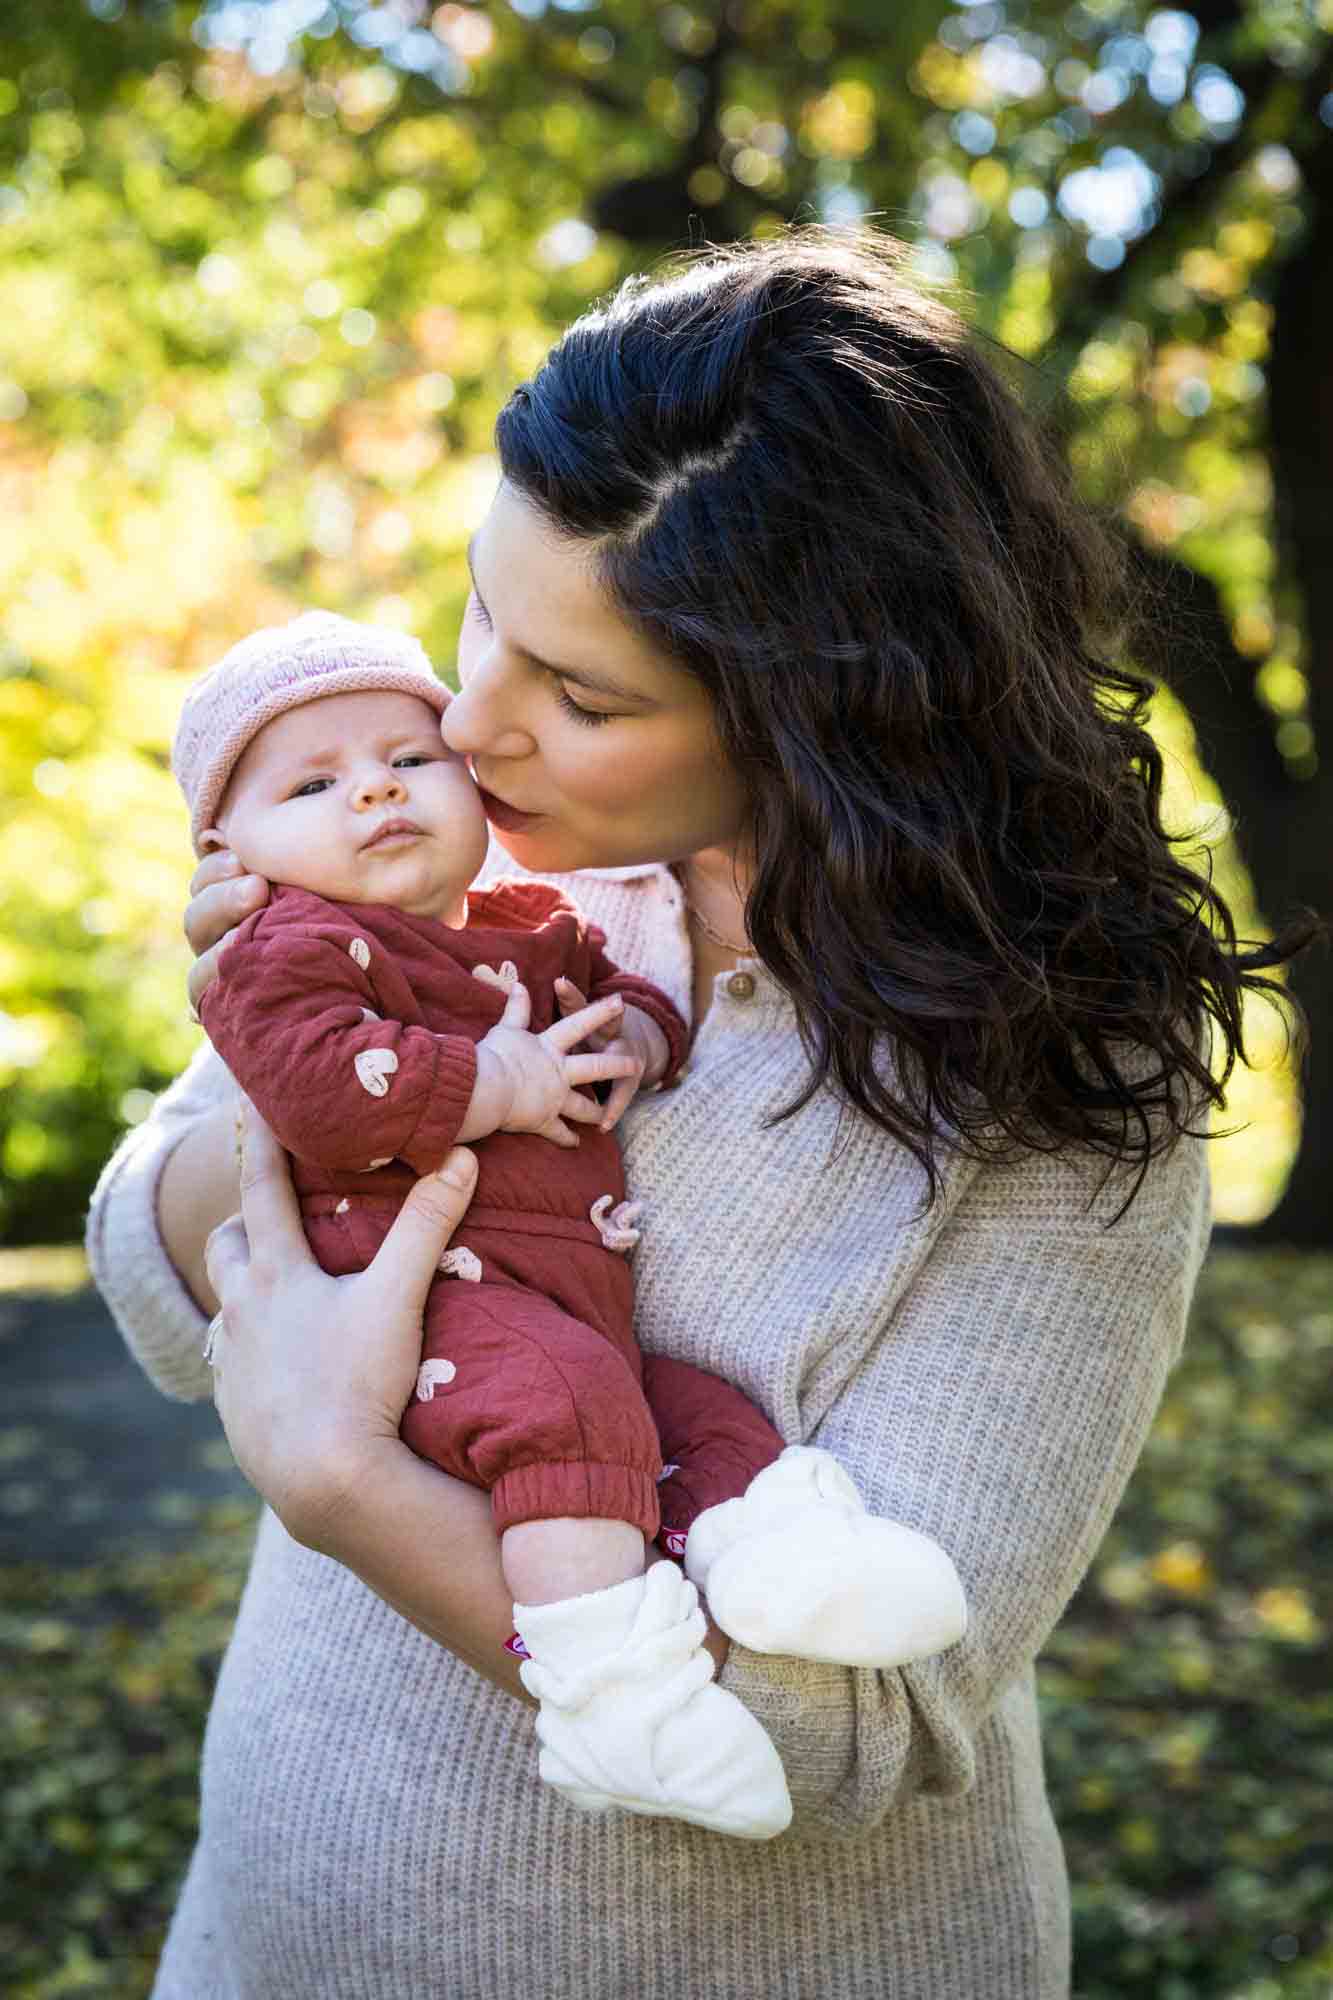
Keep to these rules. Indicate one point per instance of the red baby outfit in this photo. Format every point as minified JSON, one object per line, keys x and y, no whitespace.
{"x":353,"y":1029}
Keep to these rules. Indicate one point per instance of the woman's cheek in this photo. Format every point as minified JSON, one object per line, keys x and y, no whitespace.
{"x":470,"y":638}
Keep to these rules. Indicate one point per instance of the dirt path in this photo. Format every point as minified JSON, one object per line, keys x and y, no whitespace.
{"x":92,"y":1458}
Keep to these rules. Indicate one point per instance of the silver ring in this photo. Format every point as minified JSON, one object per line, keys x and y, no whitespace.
{"x":210,"y":1338}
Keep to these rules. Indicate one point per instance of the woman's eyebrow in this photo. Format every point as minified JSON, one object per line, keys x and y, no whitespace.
{"x":595,"y":683}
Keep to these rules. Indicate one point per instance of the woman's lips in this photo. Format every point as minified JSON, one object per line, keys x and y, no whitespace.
{"x":505,"y":816}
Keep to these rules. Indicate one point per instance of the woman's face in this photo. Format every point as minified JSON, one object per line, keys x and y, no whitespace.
{"x":591,"y":748}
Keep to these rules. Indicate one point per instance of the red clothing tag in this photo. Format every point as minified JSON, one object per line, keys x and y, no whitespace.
{"x":674,"y":1539}
{"x":514,"y":1644}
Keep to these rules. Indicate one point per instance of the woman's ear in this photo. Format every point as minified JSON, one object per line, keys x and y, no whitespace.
{"x":211,"y":839}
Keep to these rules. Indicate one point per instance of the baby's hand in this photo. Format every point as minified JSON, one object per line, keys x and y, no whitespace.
{"x":529,"y":1083}
{"x":637,"y":1037}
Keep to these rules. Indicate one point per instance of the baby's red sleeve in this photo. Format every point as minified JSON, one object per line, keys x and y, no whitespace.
{"x":292,"y":1014}
{"x":607,"y":978}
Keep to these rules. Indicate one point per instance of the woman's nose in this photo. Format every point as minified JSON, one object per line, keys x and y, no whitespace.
{"x":480,"y":720}
{"x":378,"y":786}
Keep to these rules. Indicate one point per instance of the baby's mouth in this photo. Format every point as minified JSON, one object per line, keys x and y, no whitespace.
{"x":391,"y":829}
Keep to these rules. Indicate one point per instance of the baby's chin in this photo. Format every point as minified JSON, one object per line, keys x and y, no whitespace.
{"x":417,"y":892}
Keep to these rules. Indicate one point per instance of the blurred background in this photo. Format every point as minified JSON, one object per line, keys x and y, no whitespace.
{"x":268,"y":269}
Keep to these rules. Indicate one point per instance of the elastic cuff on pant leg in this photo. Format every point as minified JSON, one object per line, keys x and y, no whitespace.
{"x":577,"y":1489}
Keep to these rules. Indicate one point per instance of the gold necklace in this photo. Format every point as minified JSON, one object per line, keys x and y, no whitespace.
{"x":742,"y":950}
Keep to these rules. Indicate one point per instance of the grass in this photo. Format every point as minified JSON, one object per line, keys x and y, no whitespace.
{"x":1188,"y":1698}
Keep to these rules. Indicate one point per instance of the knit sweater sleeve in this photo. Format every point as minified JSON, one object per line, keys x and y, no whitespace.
{"x":147,"y":1298}
{"x":1001,"y":1411}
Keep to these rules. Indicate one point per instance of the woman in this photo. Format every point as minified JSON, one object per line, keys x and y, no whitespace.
{"x":788,"y":637}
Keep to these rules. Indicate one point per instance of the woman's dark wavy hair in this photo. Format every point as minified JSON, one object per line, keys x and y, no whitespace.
{"x":813,"y":491}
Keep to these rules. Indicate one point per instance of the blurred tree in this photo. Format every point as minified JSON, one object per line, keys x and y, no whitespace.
{"x":272,"y":264}
{"x":1141,"y":199}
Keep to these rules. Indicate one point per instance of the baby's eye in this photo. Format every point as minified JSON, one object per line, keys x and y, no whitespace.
{"x":416,"y":757}
{"x":311,"y":786}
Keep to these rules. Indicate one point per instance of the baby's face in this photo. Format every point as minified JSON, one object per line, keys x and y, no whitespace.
{"x":356,"y":798}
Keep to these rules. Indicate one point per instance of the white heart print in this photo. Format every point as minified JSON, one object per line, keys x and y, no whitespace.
{"x":433,"y":1375}
{"x":374,"y":1067}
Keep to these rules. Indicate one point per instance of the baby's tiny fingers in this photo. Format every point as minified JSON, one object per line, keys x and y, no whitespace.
{"x":518,"y":1008}
{"x":559,"y":1134}
{"x":581,"y":1110}
{"x":567,"y":1034}
{"x":618,"y":1103}
{"x":570,"y":996}
{"x":599,"y":1067}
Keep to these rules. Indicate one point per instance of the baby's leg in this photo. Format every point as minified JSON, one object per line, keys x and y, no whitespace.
{"x":525,"y":1400}
{"x":714,"y":1441}
{"x":779,"y":1540}
{"x":544,"y":1561}
{"x":544,"y":1410}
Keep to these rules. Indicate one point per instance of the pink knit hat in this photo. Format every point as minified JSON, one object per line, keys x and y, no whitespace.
{"x":283,"y":667}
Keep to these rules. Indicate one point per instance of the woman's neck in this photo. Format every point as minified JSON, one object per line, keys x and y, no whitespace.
{"x":716,"y":882}
{"x":714,"y":888}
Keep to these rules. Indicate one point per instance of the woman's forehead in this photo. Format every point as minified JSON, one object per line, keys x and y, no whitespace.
{"x":545,"y":591}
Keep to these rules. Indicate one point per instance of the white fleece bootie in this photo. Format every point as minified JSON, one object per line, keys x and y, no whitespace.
{"x":631,"y":1715}
{"x":797,"y":1566}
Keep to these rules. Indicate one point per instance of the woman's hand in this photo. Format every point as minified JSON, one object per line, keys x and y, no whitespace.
{"x":311,"y":1374}
{"x":222,"y":895}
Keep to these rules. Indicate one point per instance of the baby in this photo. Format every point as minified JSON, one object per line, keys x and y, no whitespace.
{"x":380,"y":1010}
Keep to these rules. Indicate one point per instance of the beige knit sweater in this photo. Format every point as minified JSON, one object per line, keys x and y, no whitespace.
{"x":373,"y":1827}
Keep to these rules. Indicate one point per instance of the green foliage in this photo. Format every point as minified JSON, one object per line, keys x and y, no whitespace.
{"x":1186,"y":1698}
{"x":259,"y":317}
{"x":1187,"y":1695}
{"x":108,"y":1674}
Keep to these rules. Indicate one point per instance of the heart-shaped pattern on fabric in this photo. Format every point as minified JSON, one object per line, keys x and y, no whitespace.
{"x":504,"y":977}
{"x":461,"y":1263}
{"x":359,"y":950}
{"x":433,"y":1375}
{"x":374,"y":1067}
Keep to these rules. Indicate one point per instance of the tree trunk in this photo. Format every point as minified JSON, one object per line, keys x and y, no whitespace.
{"x":1286,"y":827}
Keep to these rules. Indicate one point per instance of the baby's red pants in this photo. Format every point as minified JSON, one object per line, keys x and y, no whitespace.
{"x":550,"y":1405}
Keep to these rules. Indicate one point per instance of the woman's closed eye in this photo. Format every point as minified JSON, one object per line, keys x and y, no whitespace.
{"x":591,"y":717}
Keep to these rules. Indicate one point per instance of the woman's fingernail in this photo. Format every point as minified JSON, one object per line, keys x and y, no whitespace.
{"x":247,"y":889}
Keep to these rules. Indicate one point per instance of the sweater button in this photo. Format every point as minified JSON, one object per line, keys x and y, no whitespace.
{"x":741,"y":986}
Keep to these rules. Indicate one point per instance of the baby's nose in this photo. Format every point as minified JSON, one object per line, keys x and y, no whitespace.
{"x":373,"y":786}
